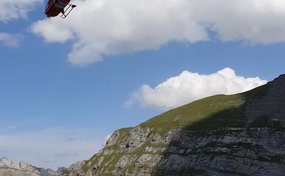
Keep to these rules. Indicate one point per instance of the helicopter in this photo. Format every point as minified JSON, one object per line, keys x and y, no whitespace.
{"x":55,"y":7}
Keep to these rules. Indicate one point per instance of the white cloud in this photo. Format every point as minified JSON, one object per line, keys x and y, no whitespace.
{"x":188,"y":87}
{"x":53,"y":33}
{"x":108,"y":27}
{"x":11,"y":40}
{"x":50,"y":148}
{"x":14,"y":9}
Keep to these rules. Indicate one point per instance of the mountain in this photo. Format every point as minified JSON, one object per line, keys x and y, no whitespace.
{"x":242,"y":134}
{"x":11,"y":168}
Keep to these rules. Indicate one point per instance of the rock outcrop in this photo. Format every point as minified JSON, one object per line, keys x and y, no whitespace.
{"x":11,"y":168}
{"x":241,"y":134}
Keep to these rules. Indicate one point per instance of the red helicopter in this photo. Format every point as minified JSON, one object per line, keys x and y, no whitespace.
{"x":55,"y":7}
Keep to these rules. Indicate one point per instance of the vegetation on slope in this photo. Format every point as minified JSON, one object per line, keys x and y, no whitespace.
{"x":200,"y":110}
{"x":220,"y":111}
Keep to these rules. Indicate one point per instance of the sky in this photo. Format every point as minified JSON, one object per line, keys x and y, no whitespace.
{"x":66,"y":85}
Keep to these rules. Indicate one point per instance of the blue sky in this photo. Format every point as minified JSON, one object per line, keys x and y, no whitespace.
{"x":62,"y":92}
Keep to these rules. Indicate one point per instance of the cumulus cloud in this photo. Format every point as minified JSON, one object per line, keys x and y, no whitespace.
{"x":11,"y":40}
{"x":50,"y":148}
{"x":107,"y":27}
{"x":14,"y":9}
{"x":188,"y":87}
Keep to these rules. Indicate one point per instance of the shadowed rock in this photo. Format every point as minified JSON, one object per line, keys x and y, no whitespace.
{"x":241,"y":134}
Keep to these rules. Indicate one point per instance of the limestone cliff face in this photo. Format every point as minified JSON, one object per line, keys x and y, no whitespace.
{"x":11,"y":168}
{"x":271,"y":105}
{"x":240,"y":134}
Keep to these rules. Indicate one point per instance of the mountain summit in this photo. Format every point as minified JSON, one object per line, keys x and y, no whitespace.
{"x":12,"y":168}
{"x":242,"y":134}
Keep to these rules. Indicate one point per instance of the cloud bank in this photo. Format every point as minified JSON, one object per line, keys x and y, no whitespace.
{"x":188,"y":87}
{"x":14,"y":9}
{"x":106,"y":27}
{"x":50,"y":148}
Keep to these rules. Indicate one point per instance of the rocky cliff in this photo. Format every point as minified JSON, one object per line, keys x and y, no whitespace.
{"x":241,"y":134}
{"x":11,"y":168}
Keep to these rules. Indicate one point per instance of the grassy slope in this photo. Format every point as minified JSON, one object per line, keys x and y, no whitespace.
{"x":216,"y":111}
{"x":208,"y":113}
{"x":204,"y":109}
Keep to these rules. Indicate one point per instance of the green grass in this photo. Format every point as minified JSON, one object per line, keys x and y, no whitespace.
{"x":198,"y":111}
{"x":201,"y":116}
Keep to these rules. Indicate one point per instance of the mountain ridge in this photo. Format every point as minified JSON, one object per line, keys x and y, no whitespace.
{"x":241,"y":134}
{"x":11,"y":168}
{"x":220,"y":135}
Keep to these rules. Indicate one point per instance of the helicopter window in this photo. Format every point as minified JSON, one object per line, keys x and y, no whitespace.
{"x":59,"y":4}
